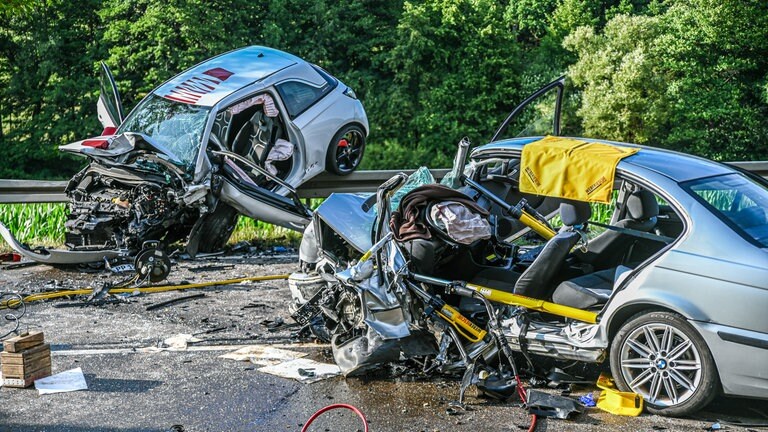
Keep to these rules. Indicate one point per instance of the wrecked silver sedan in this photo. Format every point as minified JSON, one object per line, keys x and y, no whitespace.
{"x":670,"y":288}
{"x":235,"y":134}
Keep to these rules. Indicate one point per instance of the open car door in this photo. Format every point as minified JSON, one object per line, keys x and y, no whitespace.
{"x":109,"y":107}
{"x":259,"y":194}
{"x":539,"y":114}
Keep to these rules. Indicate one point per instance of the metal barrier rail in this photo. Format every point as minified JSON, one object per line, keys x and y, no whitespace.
{"x":41,"y":191}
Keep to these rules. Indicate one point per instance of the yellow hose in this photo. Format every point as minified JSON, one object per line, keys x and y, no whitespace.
{"x":155,"y":289}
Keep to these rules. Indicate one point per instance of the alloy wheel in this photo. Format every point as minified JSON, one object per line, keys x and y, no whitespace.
{"x":349,"y":150}
{"x":661,"y":363}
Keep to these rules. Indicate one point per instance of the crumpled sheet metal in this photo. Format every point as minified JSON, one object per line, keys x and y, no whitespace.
{"x":54,"y":256}
{"x":547,"y":405}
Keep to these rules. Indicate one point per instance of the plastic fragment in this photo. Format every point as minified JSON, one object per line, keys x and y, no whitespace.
{"x":588,"y":400}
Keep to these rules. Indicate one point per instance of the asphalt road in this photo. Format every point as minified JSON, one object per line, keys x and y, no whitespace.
{"x":135,"y":384}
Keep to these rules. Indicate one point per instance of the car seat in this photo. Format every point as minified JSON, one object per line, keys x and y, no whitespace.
{"x":538,"y":280}
{"x":611,"y":248}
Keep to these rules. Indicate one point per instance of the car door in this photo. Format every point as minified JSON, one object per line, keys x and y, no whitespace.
{"x":537,"y":115}
{"x":245,"y":182}
{"x":109,"y":107}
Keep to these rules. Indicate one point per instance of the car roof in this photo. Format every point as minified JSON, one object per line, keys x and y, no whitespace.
{"x":675,"y":165}
{"x":209,"y":82}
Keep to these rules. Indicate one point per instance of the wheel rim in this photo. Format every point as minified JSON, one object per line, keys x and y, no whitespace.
{"x":661,"y":363}
{"x":348,"y":150}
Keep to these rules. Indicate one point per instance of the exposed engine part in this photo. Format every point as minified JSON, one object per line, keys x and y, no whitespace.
{"x":152,"y":263}
{"x":110,"y":211}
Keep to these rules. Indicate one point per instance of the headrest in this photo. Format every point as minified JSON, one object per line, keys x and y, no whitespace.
{"x":642,"y":205}
{"x":575,"y":212}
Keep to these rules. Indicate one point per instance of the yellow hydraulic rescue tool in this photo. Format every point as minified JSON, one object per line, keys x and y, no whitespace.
{"x":498,"y":296}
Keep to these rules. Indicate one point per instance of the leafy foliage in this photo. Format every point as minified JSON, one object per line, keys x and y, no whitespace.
{"x":689,"y":75}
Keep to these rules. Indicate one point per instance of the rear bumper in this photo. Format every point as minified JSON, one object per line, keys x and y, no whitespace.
{"x":741,"y":357}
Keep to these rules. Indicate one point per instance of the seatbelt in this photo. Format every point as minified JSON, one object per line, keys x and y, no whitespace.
{"x":635,"y":233}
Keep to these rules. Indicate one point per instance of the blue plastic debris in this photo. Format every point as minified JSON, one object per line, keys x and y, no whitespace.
{"x":588,"y":400}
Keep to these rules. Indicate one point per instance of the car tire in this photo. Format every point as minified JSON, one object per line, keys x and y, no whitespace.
{"x":217,"y":228}
{"x":664,"y":359}
{"x":345,"y":152}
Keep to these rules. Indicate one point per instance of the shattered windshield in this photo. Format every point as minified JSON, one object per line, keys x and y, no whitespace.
{"x":176,"y":126}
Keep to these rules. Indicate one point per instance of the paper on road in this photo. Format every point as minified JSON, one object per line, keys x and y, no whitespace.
{"x":263,"y":355}
{"x":180,"y":341}
{"x":303,"y":370}
{"x":67,"y":381}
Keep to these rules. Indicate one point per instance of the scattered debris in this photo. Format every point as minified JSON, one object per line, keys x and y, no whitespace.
{"x":256,"y":305}
{"x":263,"y":355}
{"x":180,"y":341}
{"x":18,"y":265}
{"x":588,"y":400}
{"x":210,"y":268}
{"x":277,"y":324}
{"x":547,"y":405}
{"x":559,"y":378}
{"x":173,"y":301}
{"x":67,"y":381}
{"x":213,"y":330}
{"x":291,"y":369}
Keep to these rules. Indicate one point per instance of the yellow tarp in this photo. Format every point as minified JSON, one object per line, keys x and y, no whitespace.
{"x":570,"y":168}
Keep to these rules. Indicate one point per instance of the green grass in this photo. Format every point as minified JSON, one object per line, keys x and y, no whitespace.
{"x":43,"y":225}
{"x":258,"y":232}
{"x":34,"y":224}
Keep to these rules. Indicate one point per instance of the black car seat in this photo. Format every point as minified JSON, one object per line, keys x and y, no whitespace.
{"x":589,"y":290}
{"x":609,"y":250}
{"x":611,"y":247}
{"x":257,"y":137}
{"x":538,"y":280}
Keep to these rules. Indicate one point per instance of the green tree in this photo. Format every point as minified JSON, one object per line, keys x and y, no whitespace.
{"x":456,"y":66}
{"x":148,"y":41}
{"x":47,"y":83}
{"x":691,"y":78}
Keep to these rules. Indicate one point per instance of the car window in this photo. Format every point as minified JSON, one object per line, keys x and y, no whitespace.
{"x":298,"y":96}
{"x":738,"y":200}
{"x":326,"y":76}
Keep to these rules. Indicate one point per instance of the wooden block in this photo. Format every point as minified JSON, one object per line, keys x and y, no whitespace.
{"x":22,"y":342}
{"x":28,"y":355}
{"x":21,"y":381}
{"x":26,"y":370}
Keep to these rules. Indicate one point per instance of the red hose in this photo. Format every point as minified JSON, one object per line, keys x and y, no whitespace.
{"x":333,"y":407}
{"x":524,"y":398}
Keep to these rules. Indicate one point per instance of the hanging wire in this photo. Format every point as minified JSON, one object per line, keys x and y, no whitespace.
{"x":15,"y":309}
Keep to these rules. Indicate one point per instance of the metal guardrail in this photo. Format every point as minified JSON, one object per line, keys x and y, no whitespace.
{"x":40,"y":191}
